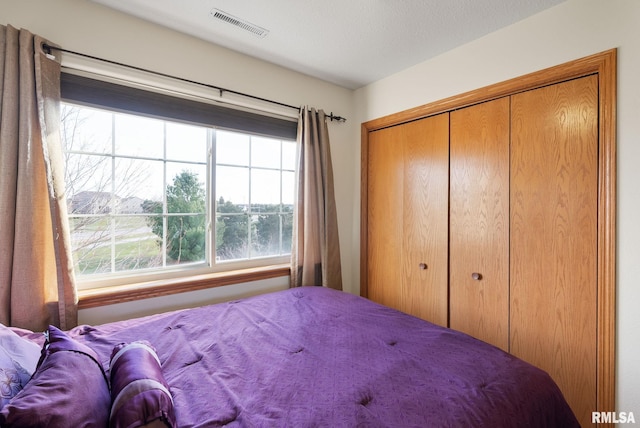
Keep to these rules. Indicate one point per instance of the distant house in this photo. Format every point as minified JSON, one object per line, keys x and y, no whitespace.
{"x":132,"y":205}
{"x":91,"y":203}
{"x":100,"y":203}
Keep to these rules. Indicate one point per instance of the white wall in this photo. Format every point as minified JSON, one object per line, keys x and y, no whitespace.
{"x":87,"y":27}
{"x":571,"y":30}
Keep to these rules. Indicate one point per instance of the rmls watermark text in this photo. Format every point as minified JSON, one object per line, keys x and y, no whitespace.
{"x":612,"y":417}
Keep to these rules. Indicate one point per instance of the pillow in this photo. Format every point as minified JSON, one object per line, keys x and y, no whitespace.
{"x":140,"y":394}
{"x":18,"y":360}
{"x":68,"y":389}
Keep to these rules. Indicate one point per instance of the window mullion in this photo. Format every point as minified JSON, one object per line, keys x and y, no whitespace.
{"x":280,"y":205}
{"x":212,"y":203}
{"x":250,"y":206}
{"x":112,"y":222}
{"x":165,"y":218}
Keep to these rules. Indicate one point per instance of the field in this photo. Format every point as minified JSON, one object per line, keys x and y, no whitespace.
{"x":101,"y":244}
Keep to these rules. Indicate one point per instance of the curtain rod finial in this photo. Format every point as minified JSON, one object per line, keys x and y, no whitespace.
{"x":47,"y":49}
{"x":332,"y":117}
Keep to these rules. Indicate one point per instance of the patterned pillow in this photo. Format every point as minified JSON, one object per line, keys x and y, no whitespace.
{"x":140,"y":395}
{"x":18,"y":359}
{"x":68,"y":389}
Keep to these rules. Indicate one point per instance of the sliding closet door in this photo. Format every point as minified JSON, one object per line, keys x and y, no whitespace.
{"x":407,"y":217}
{"x":554,"y":179}
{"x":479,"y":222}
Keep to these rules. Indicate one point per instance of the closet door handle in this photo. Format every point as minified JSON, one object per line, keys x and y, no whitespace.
{"x":423,"y":266}
{"x":476,"y":276}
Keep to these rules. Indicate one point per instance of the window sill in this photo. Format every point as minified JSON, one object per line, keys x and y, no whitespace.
{"x":126,"y":293}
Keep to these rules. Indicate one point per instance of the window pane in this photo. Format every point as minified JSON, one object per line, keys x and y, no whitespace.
{"x":232,"y":148}
{"x":135,"y":244}
{"x":88,"y":183}
{"x":288,"y":187}
{"x":267,"y":239}
{"x":186,"y":238}
{"x":287,"y":229}
{"x":232,"y":185}
{"x":85,"y":130}
{"x":136,"y":181}
{"x":91,"y":203}
{"x":265,"y":187}
{"x":265,"y":152}
{"x":110,"y":193}
{"x":289,"y":155}
{"x":186,"y":188}
{"x":186,"y":142}
{"x":232,"y":234}
{"x":262,"y":204}
{"x":91,"y":244}
{"x":139,"y":136}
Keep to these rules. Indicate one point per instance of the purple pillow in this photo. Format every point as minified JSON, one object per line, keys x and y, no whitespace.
{"x":18,"y":360}
{"x":140,"y":395}
{"x":68,"y":389}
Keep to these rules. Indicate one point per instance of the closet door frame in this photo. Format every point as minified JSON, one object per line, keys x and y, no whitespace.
{"x":604,"y":65}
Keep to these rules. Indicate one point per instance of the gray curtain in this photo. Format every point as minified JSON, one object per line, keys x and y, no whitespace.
{"x":315,"y":253}
{"x":36,"y":269}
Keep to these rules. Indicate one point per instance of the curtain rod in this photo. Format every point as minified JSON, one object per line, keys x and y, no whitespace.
{"x":48,"y":48}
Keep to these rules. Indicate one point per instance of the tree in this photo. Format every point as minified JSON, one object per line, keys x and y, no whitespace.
{"x":269,"y":230}
{"x":271,"y":227}
{"x":231,"y":231}
{"x":186,"y":232}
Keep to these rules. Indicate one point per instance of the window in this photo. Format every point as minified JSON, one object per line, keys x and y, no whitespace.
{"x":155,"y":196}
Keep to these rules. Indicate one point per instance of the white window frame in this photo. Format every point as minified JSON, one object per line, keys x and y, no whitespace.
{"x":210,"y":265}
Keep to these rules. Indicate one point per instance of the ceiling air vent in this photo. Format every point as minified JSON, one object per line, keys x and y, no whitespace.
{"x":240,"y":23}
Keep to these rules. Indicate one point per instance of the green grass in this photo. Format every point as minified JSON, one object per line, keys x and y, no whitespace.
{"x":135,"y":247}
{"x":139,"y":254}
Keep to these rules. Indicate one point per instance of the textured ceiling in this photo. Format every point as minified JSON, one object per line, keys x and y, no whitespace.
{"x":347,"y":42}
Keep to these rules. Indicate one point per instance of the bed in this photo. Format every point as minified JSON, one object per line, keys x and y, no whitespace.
{"x":312,"y":357}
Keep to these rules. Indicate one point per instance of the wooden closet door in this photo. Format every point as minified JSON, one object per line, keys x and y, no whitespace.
{"x":385,"y":184}
{"x":425,"y":219}
{"x":554,"y":179}
{"x":407,"y":217}
{"x":479,"y":222}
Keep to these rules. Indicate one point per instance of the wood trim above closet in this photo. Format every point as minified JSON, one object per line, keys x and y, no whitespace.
{"x":604,"y":66}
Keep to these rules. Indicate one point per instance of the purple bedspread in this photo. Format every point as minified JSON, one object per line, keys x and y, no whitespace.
{"x":315,"y":357}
